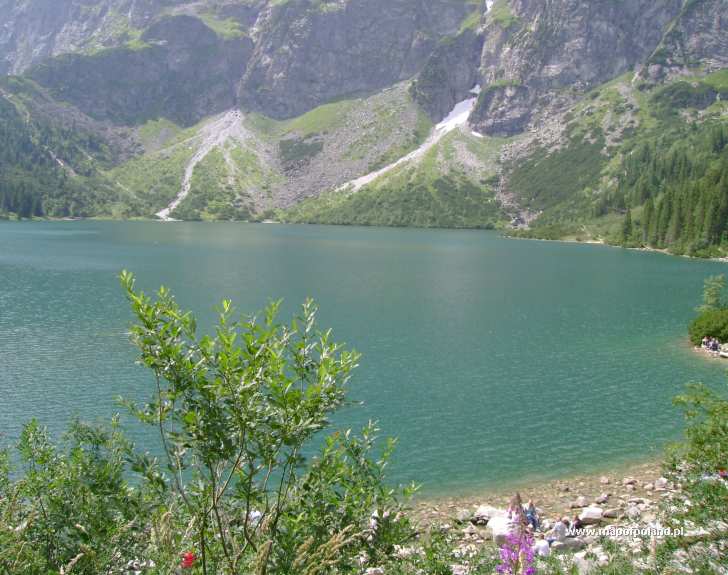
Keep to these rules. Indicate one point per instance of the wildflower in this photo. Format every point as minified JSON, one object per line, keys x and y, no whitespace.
{"x":516,"y":555}
{"x":188,"y":560}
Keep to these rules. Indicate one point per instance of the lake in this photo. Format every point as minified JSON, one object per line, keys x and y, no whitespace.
{"x":492,"y":360}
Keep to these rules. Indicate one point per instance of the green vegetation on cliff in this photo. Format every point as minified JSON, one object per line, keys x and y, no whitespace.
{"x":406,"y":200}
{"x":46,"y":168}
{"x":439,"y":189}
{"x":660,"y":180}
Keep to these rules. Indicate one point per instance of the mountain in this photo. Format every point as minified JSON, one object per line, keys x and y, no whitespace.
{"x":591,"y":120}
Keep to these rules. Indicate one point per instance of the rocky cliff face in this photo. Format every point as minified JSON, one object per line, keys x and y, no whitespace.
{"x":184,"y":72}
{"x":34,"y":30}
{"x":696,"y":38}
{"x":283,"y":58}
{"x":309,"y":52}
{"x":113,"y":65}
{"x":449,"y":74}
{"x":130,"y":60}
{"x":535,"y":51}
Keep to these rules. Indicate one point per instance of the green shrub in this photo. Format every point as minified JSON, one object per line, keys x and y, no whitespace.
{"x":236,"y":411}
{"x":711,"y":323}
{"x":233,"y":493}
{"x":72,"y":507}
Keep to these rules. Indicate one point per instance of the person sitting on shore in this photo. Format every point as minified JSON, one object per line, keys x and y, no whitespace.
{"x":715,"y":345}
{"x":705,"y":343}
{"x":557,"y":532}
{"x":531,"y":514}
{"x":515,"y":510}
{"x":577,"y":523}
{"x":541,"y":546}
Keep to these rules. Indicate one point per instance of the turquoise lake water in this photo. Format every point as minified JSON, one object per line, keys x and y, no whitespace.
{"x":491,"y":360}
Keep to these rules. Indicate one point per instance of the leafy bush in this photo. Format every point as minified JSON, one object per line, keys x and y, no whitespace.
{"x":695,"y":465}
{"x":72,"y":507}
{"x":235,"y":412}
{"x":234,"y":493}
{"x":711,"y":323}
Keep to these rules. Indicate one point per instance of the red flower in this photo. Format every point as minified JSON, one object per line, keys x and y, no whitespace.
{"x":188,"y":560}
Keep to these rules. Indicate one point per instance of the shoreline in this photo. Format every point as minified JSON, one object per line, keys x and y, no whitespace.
{"x":504,"y":235}
{"x":554,"y":496}
{"x":606,"y":244}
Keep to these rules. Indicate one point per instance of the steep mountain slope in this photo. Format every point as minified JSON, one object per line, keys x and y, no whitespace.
{"x":51,"y":156}
{"x":183,"y":71}
{"x":34,"y":30}
{"x":542,"y":55}
{"x":313,"y":52}
{"x":247,"y":109}
{"x":239,"y":165}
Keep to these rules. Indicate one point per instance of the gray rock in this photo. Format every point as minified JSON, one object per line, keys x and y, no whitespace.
{"x":463,"y":515}
{"x":306,"y":56}
{"x":591,"y":515}
{"x":589,"y":43}
{"x":633,"y":512}
{"x":485,"y":512}
{"x":584,"y":565}
{"x":500,"y":527}
{"x":580,"y":501}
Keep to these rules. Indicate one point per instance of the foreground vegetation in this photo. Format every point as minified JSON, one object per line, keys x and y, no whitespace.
{"x":238,"y":487}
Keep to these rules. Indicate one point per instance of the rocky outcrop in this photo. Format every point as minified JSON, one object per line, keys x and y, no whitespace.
{"x":34,"y":30}
{"x":449,"y":74}
{"x":534,"y":52}
{"x":311,"y":52}
{"x":184,"y":72}
{"x":697,"y":38}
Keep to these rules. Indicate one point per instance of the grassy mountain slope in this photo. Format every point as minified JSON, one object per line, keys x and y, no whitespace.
{"x":276,"y":163}
{"x":627,"y":146}
{"x":452,"y":185}
{"x":124,"y":129}
{"x":50,"y":163}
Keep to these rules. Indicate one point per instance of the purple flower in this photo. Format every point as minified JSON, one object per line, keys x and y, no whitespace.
{"x":517,"y":555}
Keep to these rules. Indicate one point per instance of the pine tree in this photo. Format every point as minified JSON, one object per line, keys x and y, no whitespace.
{"x":627,"y":228}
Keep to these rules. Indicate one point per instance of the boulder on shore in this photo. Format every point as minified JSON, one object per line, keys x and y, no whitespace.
{"x":485,"y":513}
{"x":463,"y":515}
{"x":500,"y":527}
{"x":591,"y":515}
